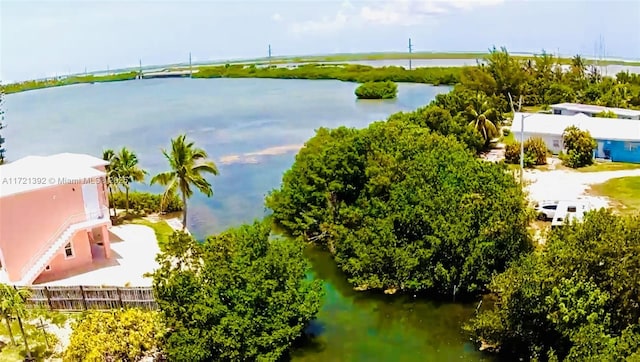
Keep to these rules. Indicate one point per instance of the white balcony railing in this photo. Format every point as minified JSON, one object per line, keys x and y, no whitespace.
{"x":78,"y":218}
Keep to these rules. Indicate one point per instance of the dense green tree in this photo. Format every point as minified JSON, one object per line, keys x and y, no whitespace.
{"x":579,"y":146}
{"x":119,"y":335}
{"x":559,"y":93}
{"x":440,"y":120}
{"x":402,"y":208}
{"x":377,"y":90}
{"x":239,"y":296}
{"x":125,"y":166}
{"x":188,"y":165}
{"x":578,"y":298}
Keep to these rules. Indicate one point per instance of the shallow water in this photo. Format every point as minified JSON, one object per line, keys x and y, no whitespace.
{"x":256,"y":126}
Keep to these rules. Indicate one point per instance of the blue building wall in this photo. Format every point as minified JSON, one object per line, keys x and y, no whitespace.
{"x":619,"y":151}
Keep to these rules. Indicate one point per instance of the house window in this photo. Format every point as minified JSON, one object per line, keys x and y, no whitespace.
{"x":556,"y":143}
{"x":631,"y":146}
{"x":68,"y":251}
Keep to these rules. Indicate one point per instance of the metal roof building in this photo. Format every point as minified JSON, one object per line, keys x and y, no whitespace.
{"x":618,"y":139}
{"x":570,"y":109}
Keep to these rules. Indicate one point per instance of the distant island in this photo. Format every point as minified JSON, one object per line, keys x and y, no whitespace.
{"x":331,"y":66}
{"x":377,"y":90}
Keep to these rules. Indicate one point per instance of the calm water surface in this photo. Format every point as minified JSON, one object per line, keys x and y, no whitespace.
{"x":252,"y":128}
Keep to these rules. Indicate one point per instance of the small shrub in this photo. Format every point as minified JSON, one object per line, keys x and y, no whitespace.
{"x":146,"y":202}
{"x":535,"y":152}
{"x":124,"y":335}
{"x":536,"y":148}
{"x":377,"y":90}
{"x":579,"y":146}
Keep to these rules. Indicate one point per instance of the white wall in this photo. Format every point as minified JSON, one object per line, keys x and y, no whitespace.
{"x":553,"y":142}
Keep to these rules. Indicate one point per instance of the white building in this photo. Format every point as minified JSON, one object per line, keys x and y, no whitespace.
{"x":618,"y":139}
{"x":570,"y":109}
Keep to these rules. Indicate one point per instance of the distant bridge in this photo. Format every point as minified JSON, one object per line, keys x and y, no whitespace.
{"x":167,"y":73}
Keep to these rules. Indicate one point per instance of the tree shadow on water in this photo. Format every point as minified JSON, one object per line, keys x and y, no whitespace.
{"x":308,"y":343}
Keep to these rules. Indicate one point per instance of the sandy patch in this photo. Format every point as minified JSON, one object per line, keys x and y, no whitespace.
{"x":131,"y":259}
{"x":255,"y":157}
{"x":570,"y":185}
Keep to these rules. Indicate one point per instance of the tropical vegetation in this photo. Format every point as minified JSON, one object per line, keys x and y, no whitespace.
{"x":126,"y":170}
{"x":238,"y":296}
{"x":575,"y":300}
{"x":144,"y":203}
{"x":188,"y":164}
{"x":579,"y":146}
{"x":377,"y":90}
{"x":403,"y":208}
{"x":535,"y":152}
{"x":119,"y":335}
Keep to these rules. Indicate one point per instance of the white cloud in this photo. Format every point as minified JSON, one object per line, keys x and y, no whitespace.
{"x":326,"y":24}
{"x":389,"y":12}
{"x":276,"y":17}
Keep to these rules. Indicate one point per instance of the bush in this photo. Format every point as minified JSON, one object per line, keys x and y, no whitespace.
{"x":579,"y":146}
{"x":146,"y":202}
{"x":577,"y":299}
{"x":124,"y":335}
{"x":377,"y":90}
{"x":535,"y":152}
{"x":536,"y":149}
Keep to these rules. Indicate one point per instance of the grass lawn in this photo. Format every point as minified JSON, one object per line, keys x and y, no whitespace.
{"x":609,"y":166}
{"x":623,"y":191}
{"x":161,"y":228}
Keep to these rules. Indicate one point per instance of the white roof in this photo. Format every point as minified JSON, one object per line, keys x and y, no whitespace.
{"x":600,"y":128}
{"x":576,"y":107}
{"x":37,"y":172}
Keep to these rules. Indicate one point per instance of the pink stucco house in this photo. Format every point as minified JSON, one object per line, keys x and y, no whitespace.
{"x":54,"y":216}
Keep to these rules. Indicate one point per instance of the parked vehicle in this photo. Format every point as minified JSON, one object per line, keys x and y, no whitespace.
{"x":547,"y":209}
{"x":569,"y":212}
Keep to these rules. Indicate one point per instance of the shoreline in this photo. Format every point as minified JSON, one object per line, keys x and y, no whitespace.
{"x":250,"y":70}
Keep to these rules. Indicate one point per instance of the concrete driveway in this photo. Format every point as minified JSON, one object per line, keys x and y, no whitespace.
{"x":569,"y":185}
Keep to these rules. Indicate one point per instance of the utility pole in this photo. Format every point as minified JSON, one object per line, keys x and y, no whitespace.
{"x":190,"y":67}
{"x":140,"y":65}
{"x":410,"y":51}
{"x":269,"y":55}
{"x":522,"y":118}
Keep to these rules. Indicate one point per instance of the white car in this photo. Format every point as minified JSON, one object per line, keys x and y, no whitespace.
{"x":547,"y":209}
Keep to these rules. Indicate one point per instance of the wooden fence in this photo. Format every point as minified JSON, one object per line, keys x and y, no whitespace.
{"x":79,"y":298}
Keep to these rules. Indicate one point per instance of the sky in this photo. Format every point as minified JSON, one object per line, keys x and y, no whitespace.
{"x":48,"y":38}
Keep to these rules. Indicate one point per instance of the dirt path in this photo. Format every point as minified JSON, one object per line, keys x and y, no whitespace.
{"x":570,"y":185}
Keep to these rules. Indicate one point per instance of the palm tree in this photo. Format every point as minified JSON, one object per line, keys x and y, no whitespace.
{"x":127,"y":170}
{"x":483,"y":118}
{"x":187,"y":164}
{"x":13,"y":300}
{"x":110,"y":156}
